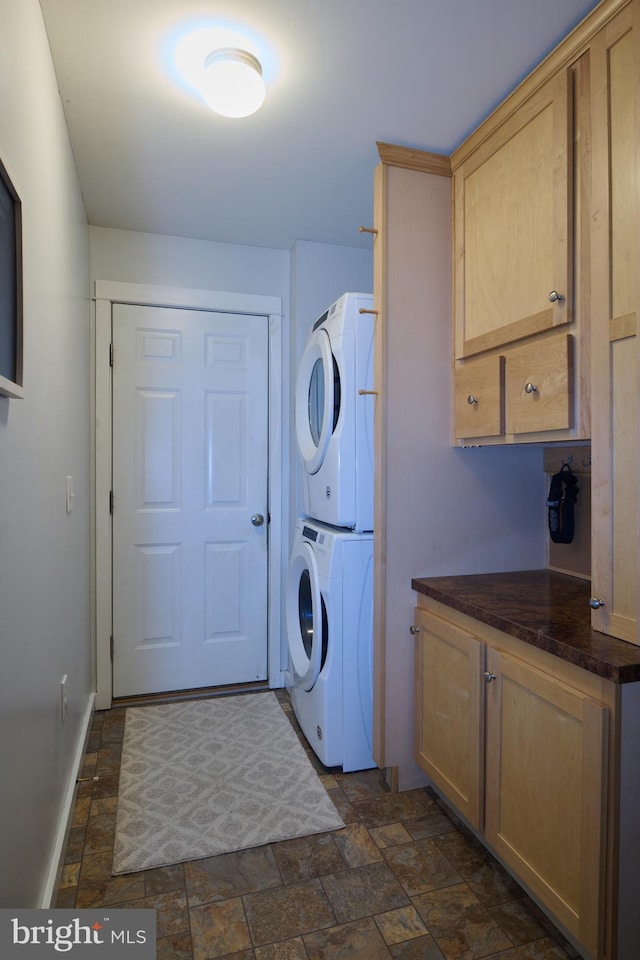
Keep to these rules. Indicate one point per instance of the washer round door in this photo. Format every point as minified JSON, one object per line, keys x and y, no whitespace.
{"x":317,"y":400}
{"x":307,"y":626}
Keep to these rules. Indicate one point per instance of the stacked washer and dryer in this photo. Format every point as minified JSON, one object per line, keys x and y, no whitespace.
{"x":329,"y":593}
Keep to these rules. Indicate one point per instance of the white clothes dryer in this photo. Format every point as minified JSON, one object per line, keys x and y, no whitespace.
{"x":334,"y":415}
{"x":329,"y":616}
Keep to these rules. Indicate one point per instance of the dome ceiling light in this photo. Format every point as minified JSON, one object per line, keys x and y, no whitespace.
{"x":231,"y":82}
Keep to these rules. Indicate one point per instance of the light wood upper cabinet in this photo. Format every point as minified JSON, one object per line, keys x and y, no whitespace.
{"x":513,"y":225}
{"x":615,"y":273}
{"x":479,"y":398}
{"x":521,"y":210}
{"x":539,"y":386}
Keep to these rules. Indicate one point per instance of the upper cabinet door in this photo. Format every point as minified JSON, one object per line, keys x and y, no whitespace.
{"x":513,"y":225}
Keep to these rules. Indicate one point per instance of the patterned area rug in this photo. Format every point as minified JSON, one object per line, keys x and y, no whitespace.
{"x":213,"y":776}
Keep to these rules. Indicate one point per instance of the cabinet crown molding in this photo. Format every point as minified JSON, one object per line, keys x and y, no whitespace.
{"x":412,"y":159}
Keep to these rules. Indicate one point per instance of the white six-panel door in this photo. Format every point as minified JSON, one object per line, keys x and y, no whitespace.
{"x":190,"y":458}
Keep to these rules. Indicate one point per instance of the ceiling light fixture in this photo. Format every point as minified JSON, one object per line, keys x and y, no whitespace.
{"x":232,"y":82}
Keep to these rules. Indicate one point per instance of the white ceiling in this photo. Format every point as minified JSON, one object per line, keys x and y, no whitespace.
{"x":340,"y":75}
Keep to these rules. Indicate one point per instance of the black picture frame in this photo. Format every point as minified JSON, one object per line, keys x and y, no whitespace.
{"x":11,"y":330}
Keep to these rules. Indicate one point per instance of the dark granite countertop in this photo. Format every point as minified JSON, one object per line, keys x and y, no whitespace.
{"x":546,"y":609}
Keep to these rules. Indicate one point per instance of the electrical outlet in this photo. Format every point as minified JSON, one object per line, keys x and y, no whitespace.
{"x":64,"y":698}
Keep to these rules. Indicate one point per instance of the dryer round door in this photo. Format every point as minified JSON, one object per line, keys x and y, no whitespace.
{"x":306,"y":618}
{"x":317,"y":400}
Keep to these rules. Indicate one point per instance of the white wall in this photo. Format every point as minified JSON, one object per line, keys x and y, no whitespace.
{"x":44,"y":553}
{"x":195,"y":264}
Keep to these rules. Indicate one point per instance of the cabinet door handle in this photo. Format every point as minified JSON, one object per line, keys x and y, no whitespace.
{"x":530,"y":388}
{"x":488,"y":677}
{"x":413,"y":630}
{"x":595,"y":603}
{"x":554,"y":296}
{"x":471,"y":399}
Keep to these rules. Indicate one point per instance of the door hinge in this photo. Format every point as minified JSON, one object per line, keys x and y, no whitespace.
{"x":110,"y":354}
{"x":111,"y":647}
{"x":111,"y":499}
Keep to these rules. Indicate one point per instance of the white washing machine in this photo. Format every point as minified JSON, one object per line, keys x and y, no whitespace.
{"x":329,"y":614}
{"x":334,"y":417}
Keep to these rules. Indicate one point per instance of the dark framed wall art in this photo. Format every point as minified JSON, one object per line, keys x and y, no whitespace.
{"x":10,"y":288}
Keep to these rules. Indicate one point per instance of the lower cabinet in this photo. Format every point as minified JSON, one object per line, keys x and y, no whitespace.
{"x":545,"y":777}
{"x":449,"y":732}
{"x":521,"y":751}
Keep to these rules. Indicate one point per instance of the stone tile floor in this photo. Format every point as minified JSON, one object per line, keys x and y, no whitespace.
{"x":403,"y":879}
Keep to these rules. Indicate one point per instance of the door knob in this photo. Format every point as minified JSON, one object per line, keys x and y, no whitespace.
{"x":257,"y":519}
{"x":595,"y":603}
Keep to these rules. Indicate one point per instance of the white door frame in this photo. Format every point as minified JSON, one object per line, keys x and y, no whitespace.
{"x":107,"y":292}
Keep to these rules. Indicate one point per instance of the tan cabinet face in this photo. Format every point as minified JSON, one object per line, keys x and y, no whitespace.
{"x":624,"y":372}
{"x":448,"y":718}
{"x":523,"y":755}
{"x":624,"y":225}
{"x":479,"y":399}
{"x":513,"y":226}
{"x":614,"y":325}
{"x":546,"y":764}
{"x":539,"y":385}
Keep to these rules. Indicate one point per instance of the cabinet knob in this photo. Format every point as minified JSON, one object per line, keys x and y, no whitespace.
{"x":471,"y":399}
{"x":554,"y":296}
{"x":489,"y":676}
{"x":595,"y":603}
{"x":413,"y":630}
{"x":530,"y":388}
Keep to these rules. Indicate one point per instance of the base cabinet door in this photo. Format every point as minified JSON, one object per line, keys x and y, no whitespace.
{"x":449,"y":725}
{"x":545,"y":783}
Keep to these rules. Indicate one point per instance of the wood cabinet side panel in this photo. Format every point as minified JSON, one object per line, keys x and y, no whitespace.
{"x":413,"y":423}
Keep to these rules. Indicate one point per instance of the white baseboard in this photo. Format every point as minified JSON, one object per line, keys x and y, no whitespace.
{"x":66,"y":813}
